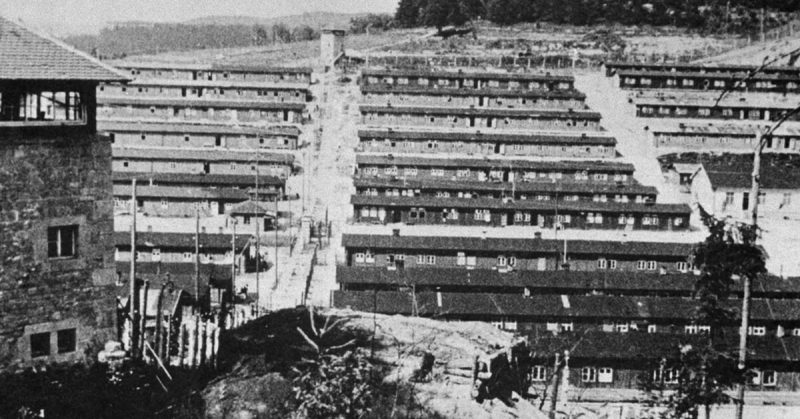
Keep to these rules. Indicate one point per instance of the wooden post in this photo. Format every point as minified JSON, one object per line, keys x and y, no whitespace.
{"x":556,"y":380}
{"x":143,"y":317}
{"x":182,"y":344}
{"x":197,"y":256}
{"x":133,"y":299}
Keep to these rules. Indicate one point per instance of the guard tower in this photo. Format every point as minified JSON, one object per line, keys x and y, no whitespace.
{"x":332,"y":46}
{"x":57,"y":287}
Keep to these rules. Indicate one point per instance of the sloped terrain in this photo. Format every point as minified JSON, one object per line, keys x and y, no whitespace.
{"x":262,"y":354}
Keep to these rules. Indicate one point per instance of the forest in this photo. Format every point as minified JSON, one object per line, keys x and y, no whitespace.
{"x":706,"y":16}
{"x":120,"y":41}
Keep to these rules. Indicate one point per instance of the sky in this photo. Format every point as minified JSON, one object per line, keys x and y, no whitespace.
{"x":67,"y":17}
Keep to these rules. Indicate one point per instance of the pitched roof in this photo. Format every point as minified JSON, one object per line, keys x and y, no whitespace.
{"x":464,"y":74}
{"x":185,"y":128}
{"x":576,"y":165}
{"x":27,"y":55}
{"x":724,"y":129}
{"x":180,"y":273}
{"x":551,"y":306}
{"x":555,"y":137}
{"x":383,"y":88}
{"x":228,"y":84}
{"x":521,"y":204}
{"x":182,"y":193}
{"x":708,"y":68}
{"x":491,"y":244}
{"x":723,"y":74}
{"x":122,"y":239}
{"x":566,"y":187}
{"x":254,"y":208}
{"x":583,"y":281}
{"x":702,"y":100}
{"x":735,"y":171}
{"x":580,"y":281}
{"x":198,"y":103}
{"x":495,"y":112}
{"x":206,"y":179}
{"x":263,"y":69}
{"x":205,"y":155}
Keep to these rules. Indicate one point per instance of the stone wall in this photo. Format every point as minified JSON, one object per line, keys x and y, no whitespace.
{"x":52,"y":179}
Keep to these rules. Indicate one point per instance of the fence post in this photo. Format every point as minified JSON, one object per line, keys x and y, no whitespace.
{"x":181,"y":345}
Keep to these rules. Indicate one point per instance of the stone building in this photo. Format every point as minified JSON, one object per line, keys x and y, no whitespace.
{"x":57,"y":275}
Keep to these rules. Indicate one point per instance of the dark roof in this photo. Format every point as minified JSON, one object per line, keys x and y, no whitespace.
{"x":254,"y":208}
{"x":182,"y":192}
{"x":198,"y":103}
{"x":739,"y":180}
{"x":263,"y":69}
{"x":701,"y":67}
{"x":526,"y":204}
{"x":27,"y":55}
{"x":490,"y":244}
{"x":197,"y":178}
{"x":224,"y":83}
{"x":466,"y":91}
{"x":639,"y":346}
{"x":520,"y":186}
{"x":735,"y":171}
{"x":464,"y":75}
{"x":122,"y":239}
{"x":584,"y":281}
{"x":576,"y":165}
{"x":171,"y":127}
{"x":496,"y":112}
{"x":724,"y":74}
{"x":204,"y":155}
{"x":574,"y":280}
{"x":181,"y":274}
{"x":559,"y":138}
{"x":551,"y":306}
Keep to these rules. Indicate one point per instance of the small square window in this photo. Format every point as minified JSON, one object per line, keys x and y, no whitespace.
{"x":67,"y":341}
{"x":40,"y":344}
{"x":62,"y":241}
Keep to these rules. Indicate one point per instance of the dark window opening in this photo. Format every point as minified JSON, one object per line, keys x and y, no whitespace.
{"x":40,"y":344}
{"x":67,"y":341}
{"x":62,"y":241}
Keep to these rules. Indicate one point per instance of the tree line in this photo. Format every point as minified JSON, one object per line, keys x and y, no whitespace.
{"x":123,"y":40}
{"x":736,"y":16}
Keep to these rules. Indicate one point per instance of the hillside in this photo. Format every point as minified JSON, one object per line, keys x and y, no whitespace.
{"x":264,"y":352}
{"x":135,"y":38}
{"x":316,"y":20}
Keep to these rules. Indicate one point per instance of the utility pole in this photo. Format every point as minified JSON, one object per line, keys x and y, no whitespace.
{"x":133,"y":299}
{"x":258,"y":237}
{"x":763,"y":38}
{"x":747,"y":285}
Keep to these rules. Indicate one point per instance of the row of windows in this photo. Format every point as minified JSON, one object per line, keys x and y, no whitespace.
{"x":424,"y":81}
{"x":605,"y":375}
{"x":726,"y":112}
{"x":497,"y":174}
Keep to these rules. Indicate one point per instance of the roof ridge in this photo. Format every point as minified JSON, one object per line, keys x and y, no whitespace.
{"x":41,"y":34}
